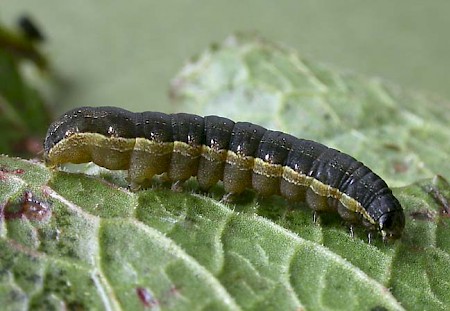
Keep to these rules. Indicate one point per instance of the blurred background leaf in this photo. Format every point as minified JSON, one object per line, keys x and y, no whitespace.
{"x":124,"y":53}
{"x":23,"y":114}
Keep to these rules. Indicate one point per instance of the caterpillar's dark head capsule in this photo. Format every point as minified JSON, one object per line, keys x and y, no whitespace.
{"x":391,"y":224}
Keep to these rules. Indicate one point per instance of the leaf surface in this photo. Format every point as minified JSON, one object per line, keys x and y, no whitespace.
{"x":88,"y":243}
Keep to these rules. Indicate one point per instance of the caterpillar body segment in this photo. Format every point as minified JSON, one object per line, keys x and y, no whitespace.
{"x":242,"y":155}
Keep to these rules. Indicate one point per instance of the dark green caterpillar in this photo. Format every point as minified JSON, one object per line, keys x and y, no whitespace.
{"x":243,"y":155}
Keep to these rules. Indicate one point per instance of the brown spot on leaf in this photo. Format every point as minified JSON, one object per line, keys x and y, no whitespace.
{"x":425,"y":215}
{"x":146,"y":297}
{"x":391,"y":146}
{"x":35,"y":209}
{"x":17,"y":171}
{"x":29,"y":206}
{"x":439,"y":197}
{"x":401,"y":167}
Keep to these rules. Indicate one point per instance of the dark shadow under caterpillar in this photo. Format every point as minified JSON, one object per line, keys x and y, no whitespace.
{"x":243,"y":155}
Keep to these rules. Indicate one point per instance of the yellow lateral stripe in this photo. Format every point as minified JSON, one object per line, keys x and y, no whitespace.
{"x":92,"y":139}
{"x":186,"y":149}
{"x":267,"y":169}
{"x":149,"y":146}
{"x":214,"y":155}
{"x":325,"y":190}
{"x":240,"y":161}
{"x":257,"y":165}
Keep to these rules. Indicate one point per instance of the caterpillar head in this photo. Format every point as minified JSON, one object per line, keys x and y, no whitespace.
{"x":391,"y":225}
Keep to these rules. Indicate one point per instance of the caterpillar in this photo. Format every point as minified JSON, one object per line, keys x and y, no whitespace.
{"x":240,"y":154}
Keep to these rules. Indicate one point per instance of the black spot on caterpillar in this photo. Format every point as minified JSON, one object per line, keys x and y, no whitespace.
{"x":243,"y":155}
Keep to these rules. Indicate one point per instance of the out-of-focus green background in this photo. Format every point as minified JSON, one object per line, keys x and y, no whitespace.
{"x":124,"y":53}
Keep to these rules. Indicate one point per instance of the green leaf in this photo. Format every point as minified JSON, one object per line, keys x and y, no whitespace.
{"x":86,"y":242}
{"x":102,"y":245}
